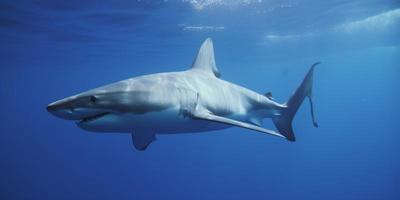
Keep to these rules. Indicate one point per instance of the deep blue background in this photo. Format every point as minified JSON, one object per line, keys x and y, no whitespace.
{"x":53,"y":49}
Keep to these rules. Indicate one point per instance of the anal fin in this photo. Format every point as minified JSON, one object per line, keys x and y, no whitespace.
{"x":256,"y":121}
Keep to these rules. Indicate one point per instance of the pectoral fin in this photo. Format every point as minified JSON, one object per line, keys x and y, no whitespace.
{"x":142,"y":139}
{"x":205,"y":115}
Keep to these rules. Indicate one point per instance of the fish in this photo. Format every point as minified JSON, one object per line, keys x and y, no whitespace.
{"x":195,"y":100}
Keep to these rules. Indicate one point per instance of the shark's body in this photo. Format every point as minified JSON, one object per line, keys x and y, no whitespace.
{"x":196,"y":100}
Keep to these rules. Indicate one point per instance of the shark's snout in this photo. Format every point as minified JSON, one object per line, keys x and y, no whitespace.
{"x":53,"y":107}
{"x":70,"y":109}
{"x":50,"y":108}
{"x":63,"y":110}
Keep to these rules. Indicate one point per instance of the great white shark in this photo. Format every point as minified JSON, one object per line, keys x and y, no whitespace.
{"x":195,"y":100}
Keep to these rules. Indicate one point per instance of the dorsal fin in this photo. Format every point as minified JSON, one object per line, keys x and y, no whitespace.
{"x":205,"y":58}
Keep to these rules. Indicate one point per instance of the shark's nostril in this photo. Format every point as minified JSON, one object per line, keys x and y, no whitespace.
{"x":93,"y":99}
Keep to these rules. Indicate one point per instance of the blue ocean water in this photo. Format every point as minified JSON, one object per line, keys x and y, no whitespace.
{"x":53,"y":49}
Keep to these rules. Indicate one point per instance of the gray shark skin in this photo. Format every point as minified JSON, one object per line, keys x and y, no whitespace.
{"x":195,"y":100}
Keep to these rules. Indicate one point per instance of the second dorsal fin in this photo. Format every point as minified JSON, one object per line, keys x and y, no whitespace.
{"x":269,"y":95}
{"x":205,"y":60}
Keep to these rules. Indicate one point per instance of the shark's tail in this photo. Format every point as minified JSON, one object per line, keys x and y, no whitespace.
{"x":284,"y":122}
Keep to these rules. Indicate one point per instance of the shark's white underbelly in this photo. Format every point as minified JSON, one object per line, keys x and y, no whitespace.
{"x":169,"y":121}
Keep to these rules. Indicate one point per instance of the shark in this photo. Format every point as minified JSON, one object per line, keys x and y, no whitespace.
{"x":191,"y":101}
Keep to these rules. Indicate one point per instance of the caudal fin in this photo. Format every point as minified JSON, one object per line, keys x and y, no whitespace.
{"x":284,"y":122}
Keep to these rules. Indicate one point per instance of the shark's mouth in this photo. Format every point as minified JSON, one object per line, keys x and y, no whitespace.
{"x":93,"y":117}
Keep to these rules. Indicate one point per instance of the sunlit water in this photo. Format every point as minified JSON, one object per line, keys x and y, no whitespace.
{"x":50,"y":50}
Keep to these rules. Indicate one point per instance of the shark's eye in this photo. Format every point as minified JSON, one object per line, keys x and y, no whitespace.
{"x":93,"y":99}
